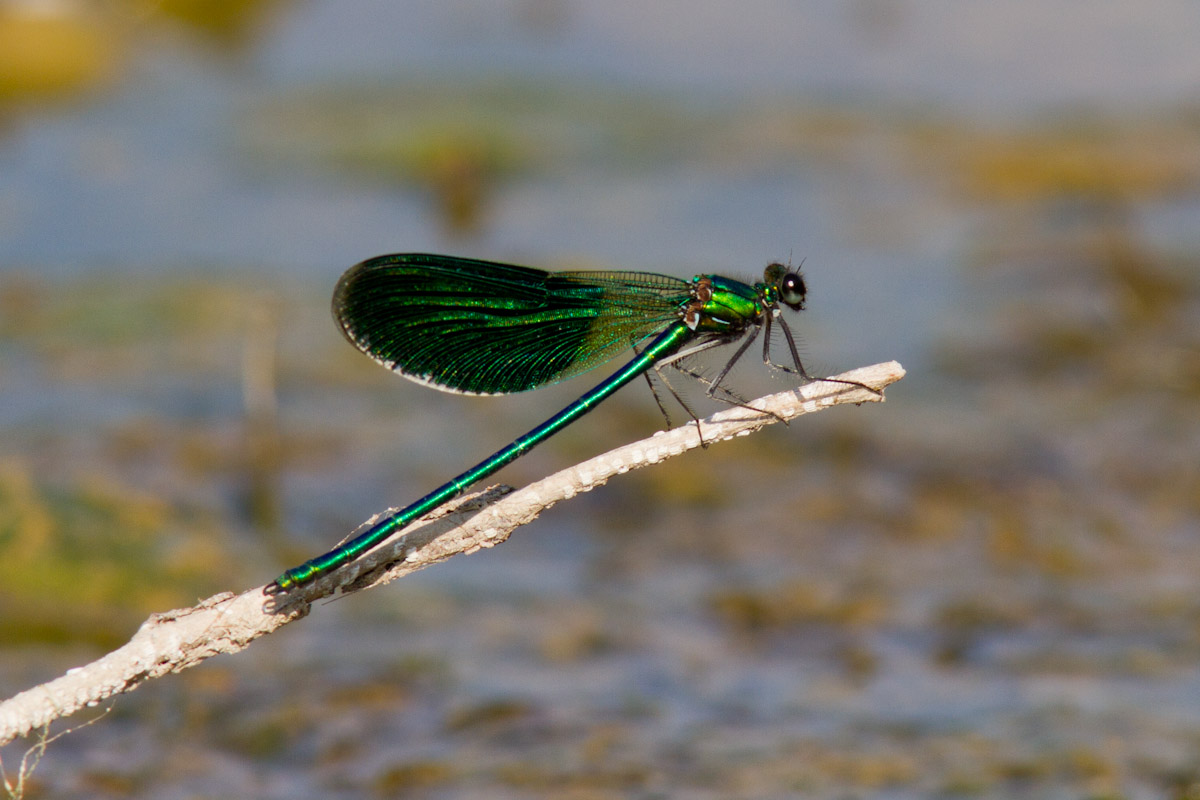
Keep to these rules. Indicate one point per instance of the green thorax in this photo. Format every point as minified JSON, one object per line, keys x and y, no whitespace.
{"x":723,"y":305}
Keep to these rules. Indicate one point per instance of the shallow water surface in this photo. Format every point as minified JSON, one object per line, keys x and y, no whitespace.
{"x":984,"y":587}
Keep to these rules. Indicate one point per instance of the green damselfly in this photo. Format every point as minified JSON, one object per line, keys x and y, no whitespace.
{"x":479,"y":327}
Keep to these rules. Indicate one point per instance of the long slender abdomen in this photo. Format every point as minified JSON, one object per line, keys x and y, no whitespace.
{"x":666,"y":343}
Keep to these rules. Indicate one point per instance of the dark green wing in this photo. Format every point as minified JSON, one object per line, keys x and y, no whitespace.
{"x":479,"y":327}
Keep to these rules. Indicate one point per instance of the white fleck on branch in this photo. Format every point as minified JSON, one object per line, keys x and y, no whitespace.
{"x":226,"y":623}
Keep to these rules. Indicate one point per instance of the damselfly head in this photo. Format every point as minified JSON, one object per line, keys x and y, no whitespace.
{"x":792,"y":291}
{"x":790,"y":285}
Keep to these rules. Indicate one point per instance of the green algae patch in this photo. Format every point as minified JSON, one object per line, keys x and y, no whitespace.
{"x":81,"y":563}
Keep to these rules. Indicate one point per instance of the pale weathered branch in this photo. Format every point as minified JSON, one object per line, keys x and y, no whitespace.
{"x":227,"y":623}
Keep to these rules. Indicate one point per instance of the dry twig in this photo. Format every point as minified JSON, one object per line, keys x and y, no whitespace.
{"x":226,"y":623}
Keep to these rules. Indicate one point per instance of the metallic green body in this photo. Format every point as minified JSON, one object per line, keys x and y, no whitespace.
{"x":479,"y":327}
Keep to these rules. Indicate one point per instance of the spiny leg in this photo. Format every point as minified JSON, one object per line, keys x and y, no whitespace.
{"x":662,"y":409}
{"x":673,"y":361}
{"x":727,"y":396}
{"x":678,"y":398}
{"x":658,"y":400}
{"x":742,"y":348}
{"x":717,"y":383}
{"x":715,"y":389}
{"x":799,"y":369}
{"x":730,"y":396}
{"x":662,"y":376}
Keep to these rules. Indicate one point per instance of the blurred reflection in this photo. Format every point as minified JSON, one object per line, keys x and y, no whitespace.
{"x":229,"y":23}
{"x":55,"y":50}
{"x":60,"y":50}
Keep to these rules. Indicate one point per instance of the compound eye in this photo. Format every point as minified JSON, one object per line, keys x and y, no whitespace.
{"x":792,"y":290}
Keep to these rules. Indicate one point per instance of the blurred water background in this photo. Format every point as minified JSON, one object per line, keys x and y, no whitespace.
{"x":984,"y":588}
